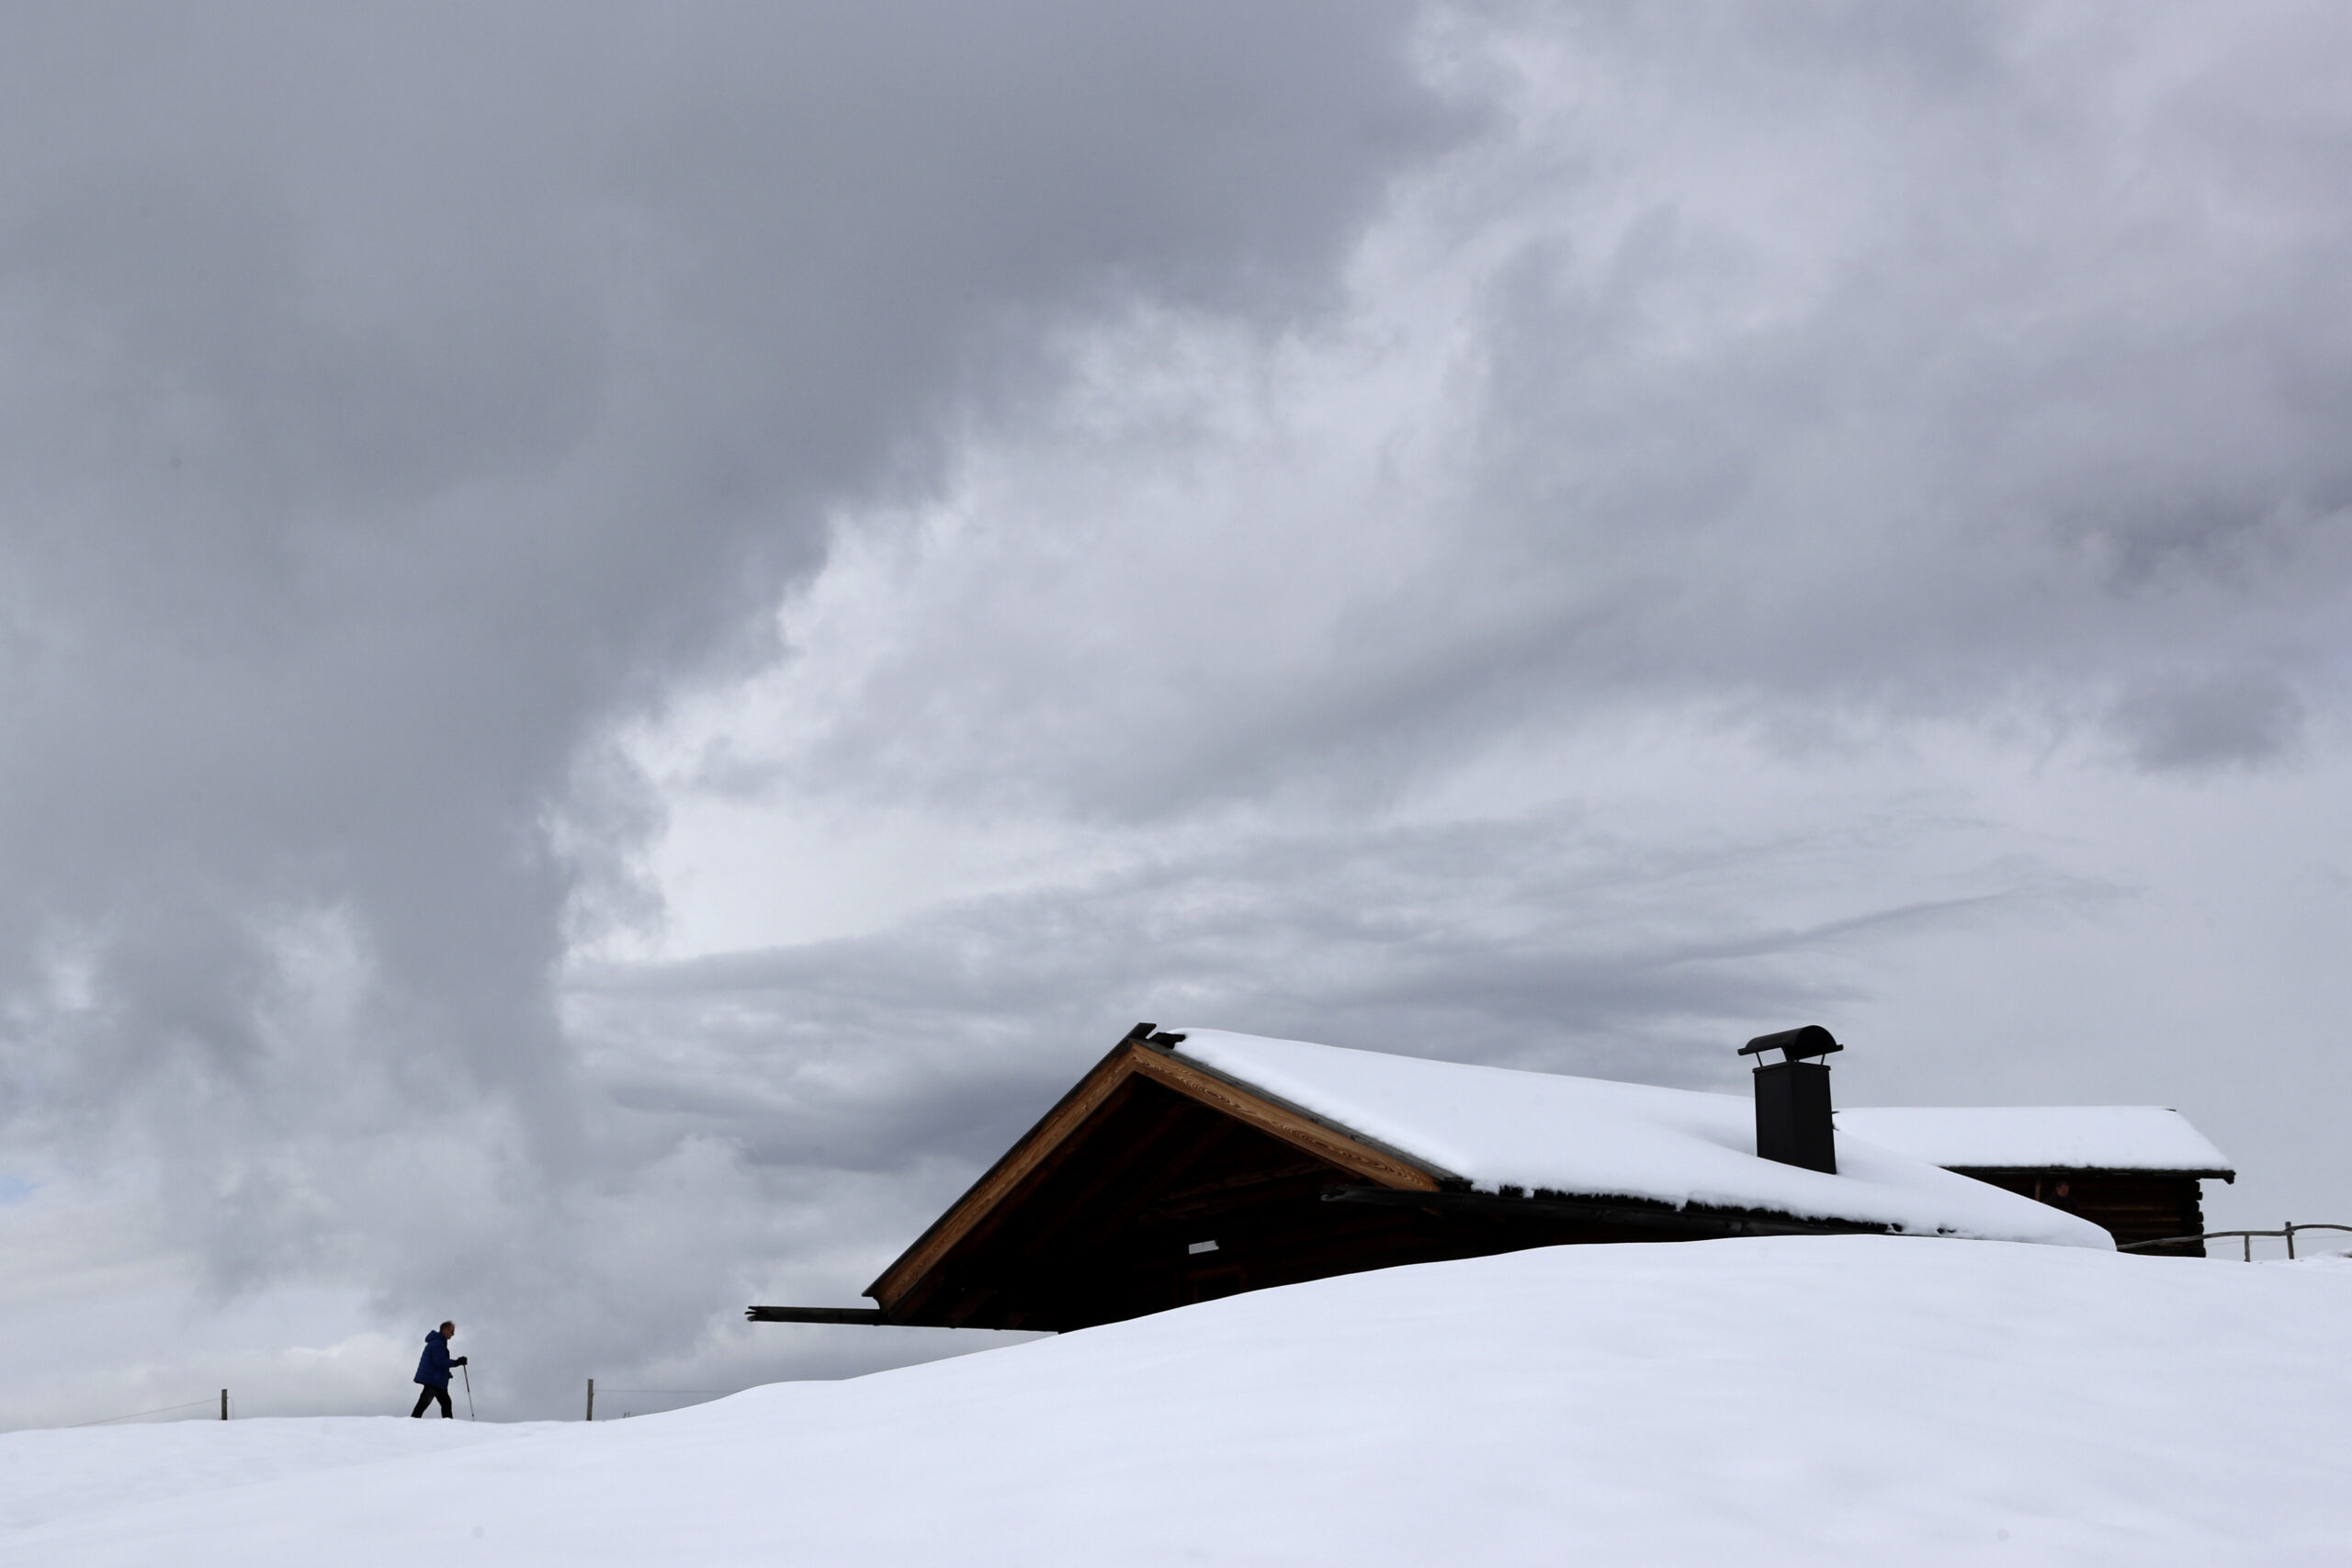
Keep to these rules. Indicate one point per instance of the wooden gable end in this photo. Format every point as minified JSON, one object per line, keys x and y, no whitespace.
{"x":1095,"y":1214}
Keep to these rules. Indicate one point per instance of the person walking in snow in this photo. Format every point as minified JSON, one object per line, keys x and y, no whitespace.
{"x":433,"y":1372}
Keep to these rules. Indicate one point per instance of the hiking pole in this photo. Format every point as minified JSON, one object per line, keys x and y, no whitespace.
{"x":470,"y":1392}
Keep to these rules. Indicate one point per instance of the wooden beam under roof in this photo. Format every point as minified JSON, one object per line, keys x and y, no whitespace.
{"x":816,"y":1315}
{"x":1634,"y":1212}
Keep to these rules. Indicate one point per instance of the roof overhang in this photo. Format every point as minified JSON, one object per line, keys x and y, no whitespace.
{"x":1694,"y":1221}
{"x":1984,"y":1172}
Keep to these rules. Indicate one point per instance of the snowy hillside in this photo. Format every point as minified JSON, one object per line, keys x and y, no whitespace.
{"x":1846,"y":1400}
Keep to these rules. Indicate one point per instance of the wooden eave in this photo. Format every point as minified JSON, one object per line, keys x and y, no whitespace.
{"x":1983,"y":1172}
{"x":1695,"y":1220}
{"x":1347,"y":1150}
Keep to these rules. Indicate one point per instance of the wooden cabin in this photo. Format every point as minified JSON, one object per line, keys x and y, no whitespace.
{"x":1196,"y":1164}
{"x":2136,"y":1171}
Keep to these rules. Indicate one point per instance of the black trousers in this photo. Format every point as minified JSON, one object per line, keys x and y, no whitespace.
{"x":432,"y":1392}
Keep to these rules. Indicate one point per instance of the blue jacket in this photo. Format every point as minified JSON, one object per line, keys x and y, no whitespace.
{"x":433,"y":1367}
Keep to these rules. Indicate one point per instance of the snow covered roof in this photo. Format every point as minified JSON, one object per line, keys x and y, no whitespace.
{"x":2042,"y":1138}
{"x":1497,"y":1127}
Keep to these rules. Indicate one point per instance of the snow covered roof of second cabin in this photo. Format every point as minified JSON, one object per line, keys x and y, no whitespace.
{"x":1498,"y":1127}
{"x":2041,"y":1137}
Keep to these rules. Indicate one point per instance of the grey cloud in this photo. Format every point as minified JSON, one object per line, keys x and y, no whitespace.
{"x":2231,"y":717}
{"x":1534,"y":941}
{"x":397,"y":397}
{"x":1820,"y":369}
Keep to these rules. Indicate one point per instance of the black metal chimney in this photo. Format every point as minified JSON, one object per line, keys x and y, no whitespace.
{"x":1792,"y":1099}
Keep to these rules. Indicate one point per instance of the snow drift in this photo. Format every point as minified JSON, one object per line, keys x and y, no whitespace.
{"x":1831,"y":1399}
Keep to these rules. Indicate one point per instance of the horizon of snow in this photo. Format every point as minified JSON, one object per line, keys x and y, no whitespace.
{"x":1501,"y":1127}
{"x":1818,"y":1401}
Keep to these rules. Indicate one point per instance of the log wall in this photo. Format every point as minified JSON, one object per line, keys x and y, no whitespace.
{"x":2133,"y":1205}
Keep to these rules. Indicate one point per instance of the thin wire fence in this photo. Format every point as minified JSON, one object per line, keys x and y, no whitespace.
{"x":211,"y":1401}
{"x":226,"y":1405}
{"x":694,"y":1393}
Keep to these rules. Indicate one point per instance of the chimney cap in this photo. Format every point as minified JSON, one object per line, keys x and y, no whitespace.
{"x":1794,"y":1044}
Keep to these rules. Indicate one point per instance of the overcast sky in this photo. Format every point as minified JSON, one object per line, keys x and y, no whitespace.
{"x":627,"y":635}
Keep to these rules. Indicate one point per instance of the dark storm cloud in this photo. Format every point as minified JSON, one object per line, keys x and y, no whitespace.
{"x":391,"y":397}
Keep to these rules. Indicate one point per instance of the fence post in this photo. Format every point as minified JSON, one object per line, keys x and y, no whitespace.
{"x":591,"y":1399}
{"x":224,"y":1404}
{"x":2291,"y":1241}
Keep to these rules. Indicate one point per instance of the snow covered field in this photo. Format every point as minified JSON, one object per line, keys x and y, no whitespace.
{"x":1836,"y":1399}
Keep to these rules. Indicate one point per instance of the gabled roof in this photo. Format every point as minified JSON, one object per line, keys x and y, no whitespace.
{"x":2043,"y":1137}
{"x":1497,"y":1128}
{"x":1032,"y":1160}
